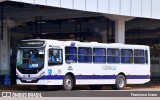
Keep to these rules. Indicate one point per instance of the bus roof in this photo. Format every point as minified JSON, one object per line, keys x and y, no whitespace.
{"x":89,"y":44}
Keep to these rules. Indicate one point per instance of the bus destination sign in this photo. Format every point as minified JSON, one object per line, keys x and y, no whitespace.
{"x":31,"y":43}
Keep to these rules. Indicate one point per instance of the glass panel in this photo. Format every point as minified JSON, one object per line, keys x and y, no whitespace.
{"x":84,"y":54}
{"x":84,"y":59}
{"x":71,"y":58}
{"x":99,"y":55}
{"x":138,"y":53}
{"x":126,"y":52}
{"x":84,"y":51}
{"x":113,"y":52}
{"x":126,"y":56}
{"x":71,"y":54}
{"x":127,"y":60}
{"x":30,"y":58}
{"x":139,"y":60}
{"x":113,"y":55}
{"x":55,"y":57}
{"x":113,"y":59}
{"x":99,"y":59}
{"x":99,"y":51}
{"x":139,"y":57}
{"x":71,"y":50}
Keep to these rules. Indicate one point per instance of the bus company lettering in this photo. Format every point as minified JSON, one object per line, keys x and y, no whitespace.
{"x":105,"y":67}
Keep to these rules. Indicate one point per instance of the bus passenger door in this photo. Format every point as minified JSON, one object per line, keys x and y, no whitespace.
{"x":55,"y":61}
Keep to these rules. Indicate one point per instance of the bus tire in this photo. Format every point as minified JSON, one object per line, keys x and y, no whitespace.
{"x":95,"y":87}
{"x":68,"y":83}
{"x":120,"y":83}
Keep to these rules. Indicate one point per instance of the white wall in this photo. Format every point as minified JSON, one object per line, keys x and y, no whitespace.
{"x":125,"y":7}
{"x":146,"y":8}
{"x":41,"y":2}
{"x":155,"y":9}
{"x":79,"y":4}
{"x":91,"y":5}
{"x":54,"y":3}
{"x":67,"y":4}
{"x":114,"y":6}
{"x":105,"y":8}
{"x":28,"y":1}
{"x":135,"y":8}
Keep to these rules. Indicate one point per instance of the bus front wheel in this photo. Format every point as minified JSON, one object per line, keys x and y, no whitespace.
{"x":68,"y":83}
{"x":120,"y":83}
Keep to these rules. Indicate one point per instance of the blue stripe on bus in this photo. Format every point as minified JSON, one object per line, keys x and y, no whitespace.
{"x":138,"y":76}
{"x":61,"y":77}
{"x":53,"y":77}
{"x":95,"y":76}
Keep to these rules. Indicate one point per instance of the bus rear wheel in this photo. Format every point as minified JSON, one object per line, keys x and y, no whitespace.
{"x":68,"y":83}
{"x":120,"y":83}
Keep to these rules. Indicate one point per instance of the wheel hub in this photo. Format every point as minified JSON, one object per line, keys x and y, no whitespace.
{"x":121,"y":82}
{"x":68,"y":83}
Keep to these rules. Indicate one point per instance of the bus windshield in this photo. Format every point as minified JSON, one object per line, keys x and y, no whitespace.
{"x":30,"y":58}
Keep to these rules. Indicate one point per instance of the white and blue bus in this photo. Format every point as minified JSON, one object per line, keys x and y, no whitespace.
{"x":71,"y":63}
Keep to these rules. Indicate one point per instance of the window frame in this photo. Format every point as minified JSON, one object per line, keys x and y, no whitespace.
{"x":51,"y":63}
{"x":128,"y":56}
{"x":139,"y":56}
{"x":91,"y":55}
{"x":94,"y":55}
{"x":76,"y":55}
{"x":114,"y":56}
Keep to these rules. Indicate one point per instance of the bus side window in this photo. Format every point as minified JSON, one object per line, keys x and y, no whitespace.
{"x":113,"y":55}
{"x":55,"y":56}
{"x":84,"y":55}
{"x":99,"y":55}
{"x":139,"y":56}
{"x":51,"y":57}
{"x":126,"y":56}
{"x":71,"y":54}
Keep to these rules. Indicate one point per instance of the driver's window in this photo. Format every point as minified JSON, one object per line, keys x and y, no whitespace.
{"x":55,"y":56}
